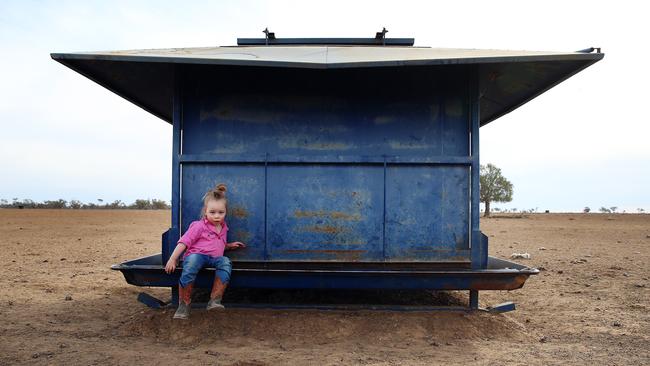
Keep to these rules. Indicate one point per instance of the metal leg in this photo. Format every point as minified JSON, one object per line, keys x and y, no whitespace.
{"x":174,"y":300}
{"x":473,"y":299}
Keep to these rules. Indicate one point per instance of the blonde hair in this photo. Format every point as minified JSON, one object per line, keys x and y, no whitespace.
{"x":218,"y":193}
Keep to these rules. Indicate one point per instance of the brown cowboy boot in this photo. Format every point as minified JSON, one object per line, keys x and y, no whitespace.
{"x":184,"y":301}
{"x":216,"y":294}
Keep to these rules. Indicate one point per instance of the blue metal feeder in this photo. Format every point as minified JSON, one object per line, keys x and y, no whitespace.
{"x":350,"y":163}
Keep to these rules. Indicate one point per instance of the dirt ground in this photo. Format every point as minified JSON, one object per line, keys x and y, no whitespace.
{"x":61,"y":304}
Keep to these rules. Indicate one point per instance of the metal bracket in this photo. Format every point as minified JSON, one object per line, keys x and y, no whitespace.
{"x":590,"y":50}
{"x":268,"y":35}
{"x":382,"y":36}
{"x":151,"y":301}
{"x":501,"y":308}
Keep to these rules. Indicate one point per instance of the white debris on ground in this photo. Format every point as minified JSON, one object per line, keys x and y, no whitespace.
{"x":520,"y":256}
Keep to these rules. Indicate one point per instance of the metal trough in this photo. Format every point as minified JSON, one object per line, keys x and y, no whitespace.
{"x":499,"y":275}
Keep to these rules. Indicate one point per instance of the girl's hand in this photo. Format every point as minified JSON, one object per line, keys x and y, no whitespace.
{"x":235,"y":245}
{"x":170,"y":266}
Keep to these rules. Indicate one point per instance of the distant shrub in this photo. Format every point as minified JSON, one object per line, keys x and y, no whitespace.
{"x":159,"y":204}
{"x":140,"y":204}
{"x":61,"y":203}
{"x":116,"y":204}
{"x":153,"y":204}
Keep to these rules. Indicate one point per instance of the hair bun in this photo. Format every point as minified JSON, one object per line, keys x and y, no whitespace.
{"x":221,"y":187}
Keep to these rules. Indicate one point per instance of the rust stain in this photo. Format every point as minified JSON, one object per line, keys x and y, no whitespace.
{"x":519,"y":282}
{"x":309,"y":142}
{"x":240,"y":108}
{"x":352,"y":242}
{"x":336,"y":215}
{"x":326,"y":146}
{"x":509,"y":283}
{"x":326,"y":229}
{"x":242,"y":235}
{"x":349,"y":255}
{"x":239,"y":212}
{"x":397,"y":145}
{"x":329,"y":251}
{"x":302,"y":214}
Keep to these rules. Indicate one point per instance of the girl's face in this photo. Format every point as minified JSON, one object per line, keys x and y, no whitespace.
{"x":215,"y":211}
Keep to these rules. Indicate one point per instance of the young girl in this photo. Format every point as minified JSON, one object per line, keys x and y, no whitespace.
{"x":204,"y":243}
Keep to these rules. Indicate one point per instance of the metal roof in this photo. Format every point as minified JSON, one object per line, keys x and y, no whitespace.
{"x":508,"y":78}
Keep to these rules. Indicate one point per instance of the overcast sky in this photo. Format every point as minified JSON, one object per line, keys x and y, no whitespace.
{"x":583,"y":143}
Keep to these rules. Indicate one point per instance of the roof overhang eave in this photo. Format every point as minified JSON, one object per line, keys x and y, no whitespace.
{"x":327,"y":65}
{"x":160,"y":106}
{"x":544,"y":88}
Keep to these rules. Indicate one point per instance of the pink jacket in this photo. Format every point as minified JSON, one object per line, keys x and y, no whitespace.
{"x":202,"y":238}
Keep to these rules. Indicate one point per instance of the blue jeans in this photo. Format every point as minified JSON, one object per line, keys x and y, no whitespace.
{"x":193,"y":263}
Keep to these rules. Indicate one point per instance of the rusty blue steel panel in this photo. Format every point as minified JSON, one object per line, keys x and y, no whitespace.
{"x":427,"y":216}
{"x":309,"y":126}
{"x":350,"y":114}
{"x":246,"y":201}
{"x":344,"y":170}
{"x":325,"y":212}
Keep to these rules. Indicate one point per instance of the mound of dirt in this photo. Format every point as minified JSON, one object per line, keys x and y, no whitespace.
{"x":304,"y":327}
